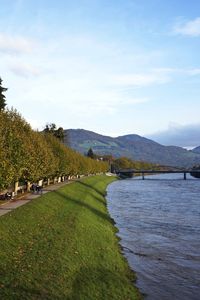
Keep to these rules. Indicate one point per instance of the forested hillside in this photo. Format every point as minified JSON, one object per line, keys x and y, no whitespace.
{"x":132,"y":146}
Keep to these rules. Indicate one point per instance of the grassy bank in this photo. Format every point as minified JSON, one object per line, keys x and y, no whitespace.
{"x":63,"y":246}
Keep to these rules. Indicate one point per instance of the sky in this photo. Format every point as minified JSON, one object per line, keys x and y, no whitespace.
{"x":115,"y":67}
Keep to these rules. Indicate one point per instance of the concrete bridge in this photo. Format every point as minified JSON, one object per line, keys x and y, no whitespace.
{"x":128,"y":173}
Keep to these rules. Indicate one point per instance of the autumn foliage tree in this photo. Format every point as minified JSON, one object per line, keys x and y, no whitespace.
{"x":53,"y":130}
{"x":29,"y":155}
{"x":127,"y":163}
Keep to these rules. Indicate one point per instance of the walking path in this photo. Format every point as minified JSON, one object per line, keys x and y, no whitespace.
{"x":12,"y":204}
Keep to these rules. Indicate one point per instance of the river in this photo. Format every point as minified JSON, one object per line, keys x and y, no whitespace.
{"x":159,"y":225}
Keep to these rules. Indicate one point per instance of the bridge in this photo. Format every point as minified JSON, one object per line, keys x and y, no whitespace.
{"x":128,"y":173}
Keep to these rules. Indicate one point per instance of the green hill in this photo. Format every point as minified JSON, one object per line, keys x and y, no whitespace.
{"x":132,"y":146}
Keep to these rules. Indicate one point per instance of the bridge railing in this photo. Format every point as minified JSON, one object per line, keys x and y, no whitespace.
{"x":123,"y":173}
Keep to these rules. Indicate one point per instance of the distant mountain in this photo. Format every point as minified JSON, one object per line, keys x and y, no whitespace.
{"x":196,"y":150}
{"x":132,"y":146}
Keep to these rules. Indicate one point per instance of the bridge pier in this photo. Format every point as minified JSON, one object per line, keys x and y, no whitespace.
{"x":142,"y":176}
{"x":184,"y":176}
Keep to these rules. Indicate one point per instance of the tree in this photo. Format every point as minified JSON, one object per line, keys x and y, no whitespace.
{"x":59,"y":133}
{"x":90,"y":153}
{"x":2,"y":97}
{"x":122,"y":163}
{"x":52,"y":129}
{"x":27,"y":155}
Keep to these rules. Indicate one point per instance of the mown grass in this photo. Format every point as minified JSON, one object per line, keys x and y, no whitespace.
{"x":63,"y":246}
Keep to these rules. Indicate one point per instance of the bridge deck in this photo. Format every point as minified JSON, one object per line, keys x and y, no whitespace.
{"x":158,"y":171}
{"x":131,"y":172}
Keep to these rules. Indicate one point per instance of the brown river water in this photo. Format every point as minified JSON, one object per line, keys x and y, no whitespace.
{"x":159,"y":225}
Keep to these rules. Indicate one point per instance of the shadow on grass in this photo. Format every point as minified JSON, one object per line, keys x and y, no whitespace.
{"x":93,"y":188}
{"x":20,"y":292}
{"x":102,"y":283}
{"x":88,"y":283}
{"x":81,"y":203}
{"x":99,"y":196}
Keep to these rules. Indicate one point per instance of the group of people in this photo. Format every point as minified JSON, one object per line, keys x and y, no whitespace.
{"x":6,"y":196}
{"x":36,"y":188}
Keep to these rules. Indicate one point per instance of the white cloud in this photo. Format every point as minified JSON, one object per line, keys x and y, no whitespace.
{"x":190,"y":28}
{"x":133,"y":101}
{"x":177,"y":71}
{"x":179,"y":135}
{"x":83,"y":82}
{"x":194,"y":72}
{"x":36,"y":124}
{"x":140,"y":80}
{"x":25,"y":70}
{"x":15,"y":44}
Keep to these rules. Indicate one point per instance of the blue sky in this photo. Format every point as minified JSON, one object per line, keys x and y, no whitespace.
{"x":114,"y":67}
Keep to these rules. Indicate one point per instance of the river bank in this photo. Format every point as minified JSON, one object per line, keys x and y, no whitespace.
{"x":63,"y":246}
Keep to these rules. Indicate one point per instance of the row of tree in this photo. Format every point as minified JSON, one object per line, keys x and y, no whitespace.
{"x":127,"y":163}
{"x":27,"y":155}
{"x":122,"y":162}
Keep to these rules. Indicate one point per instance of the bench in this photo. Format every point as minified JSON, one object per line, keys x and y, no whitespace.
{"x":6,"y":196}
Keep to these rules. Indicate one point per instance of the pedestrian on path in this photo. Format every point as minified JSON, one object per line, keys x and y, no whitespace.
{"x":33,"y":188}
{"x":39,"y":189}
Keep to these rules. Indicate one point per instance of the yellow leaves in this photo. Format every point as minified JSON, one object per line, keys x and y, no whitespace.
{"x":30,"y":155}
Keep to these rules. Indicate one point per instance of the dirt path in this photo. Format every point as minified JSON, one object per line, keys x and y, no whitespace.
{"x":12,"y":204}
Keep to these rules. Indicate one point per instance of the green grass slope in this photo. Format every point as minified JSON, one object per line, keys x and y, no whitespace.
{"x":63,"y":246}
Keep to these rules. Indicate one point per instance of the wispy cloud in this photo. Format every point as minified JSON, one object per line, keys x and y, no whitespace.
{"x":140,"y":80}
{"x":25,"y":70}
{"x":15,"y":44}
{"x":194,"y":72}
{"x":190,"y":28}
{"x":178,"y":71}
{"x":81,"y":79}
{"x":183,"y":136}
{"x":155,"y":76}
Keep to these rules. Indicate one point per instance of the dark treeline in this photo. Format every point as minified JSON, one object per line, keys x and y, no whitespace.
{"x":28,"y":155}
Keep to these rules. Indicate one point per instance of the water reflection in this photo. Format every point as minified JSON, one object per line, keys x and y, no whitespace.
{"x":159,"y":224}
